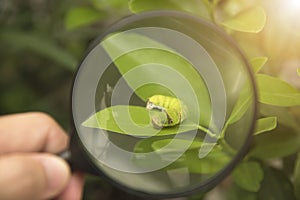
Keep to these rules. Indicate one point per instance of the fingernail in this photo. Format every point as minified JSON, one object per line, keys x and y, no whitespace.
{"x":57,"y":174}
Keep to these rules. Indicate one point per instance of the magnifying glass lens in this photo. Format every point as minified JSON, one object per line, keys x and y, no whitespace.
{"x":164,"y":104}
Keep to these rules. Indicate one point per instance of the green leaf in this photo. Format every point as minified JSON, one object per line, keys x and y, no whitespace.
{"x":175,"y":144}
{"x":41,"y":45}
{"x":265,"y":124}
{"x":248,"y":175}
{"x":81,"y":16}
{"x":235,"y":192}
{"x":241,"y":106}
{"x":138,"y":6}
{"x":274,"y":91}
{"x":232,"y":7}
{"x":283,"y":114}
{"x":213,"y":162}
{"x":252,"y":21}
{"x":132,"y":120}
{"x":145,"y":145}
{"x":298,"y":71}
{"x":257,"y":63}
{"x":192,"y":6}
{"x":276,"y":186}
{"x":165,"y":72}
{"x":296,"y":177}
{"x":197,"y":196}
{"x":109,"y":4}
{"x":279,"y":142}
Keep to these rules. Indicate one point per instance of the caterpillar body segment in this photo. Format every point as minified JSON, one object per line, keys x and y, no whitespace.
{"x":167,"y":111}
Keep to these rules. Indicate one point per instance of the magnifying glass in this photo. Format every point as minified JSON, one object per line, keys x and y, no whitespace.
{"x":163,"y":105}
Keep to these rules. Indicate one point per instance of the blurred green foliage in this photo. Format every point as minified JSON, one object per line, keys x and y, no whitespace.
{"x":41,"y":42}
{"x":39,"y":54}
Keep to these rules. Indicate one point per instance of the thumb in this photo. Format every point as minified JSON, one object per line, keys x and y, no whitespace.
{"x":32,"y":176}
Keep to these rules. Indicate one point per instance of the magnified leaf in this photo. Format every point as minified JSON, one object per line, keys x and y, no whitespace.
{"x":274,"y":91}
{"x":145,"y":145}
{"x":248,"y":175}
{"x":265,"y":124}
{"x":241,"y":106}
{"x":132,"y":120}
{"x":169,"y":145}
{"x":165,"y":148}
{"x":252,"y":20}
{"x":80,"y":16}
{"x":257,"y":63}
{"x":211,"y":163}
{"x":141,"y":59}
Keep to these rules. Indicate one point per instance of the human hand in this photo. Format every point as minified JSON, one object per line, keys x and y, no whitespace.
{"x":28,"y":168}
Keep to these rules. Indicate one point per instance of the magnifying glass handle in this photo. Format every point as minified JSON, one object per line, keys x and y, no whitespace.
{"x":77,"y":160}
{"x":66,"y":155}
{"x":78,"y":164}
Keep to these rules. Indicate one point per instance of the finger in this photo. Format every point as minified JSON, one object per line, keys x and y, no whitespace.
{"x":74,"y":188}
{"x":32,"y":176}
{"x":29,"y":132}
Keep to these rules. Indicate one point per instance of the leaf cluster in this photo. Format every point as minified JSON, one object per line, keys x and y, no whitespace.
{"x":276,"y":135}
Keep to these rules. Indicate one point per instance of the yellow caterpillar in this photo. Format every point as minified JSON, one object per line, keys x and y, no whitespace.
{"x":171,"y":111}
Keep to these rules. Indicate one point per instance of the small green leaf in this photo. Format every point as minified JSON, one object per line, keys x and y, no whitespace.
{"x":274,"y":91}
{"x":197,"y":196}
{"x":145,"y":145}
{"x":176,"y":144}
{"x":298,"y":71}
{"x":132,"y":120}
{"x":279,"y":142}
{"x":192,"y":6}
{"x":235,"y":192}
{"x":241,"y":106}
{"x":81,"y":16}
{"x":109,"y":4}
{"x":296,"y":177}
{"x":232,"y":7}
{"x":265,"y":124}
{"x":276,"y":186}
{"x":283,"y":115}
{"x":252,"y":21}
{"x":137,"y":6}
{"x":248,"y":175}
{"x":257,"y":63}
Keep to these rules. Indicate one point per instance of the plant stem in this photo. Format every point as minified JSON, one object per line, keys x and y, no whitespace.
{"x":227,"y":147}
{"x":211,"y":134}
{"x":221,"y":139}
